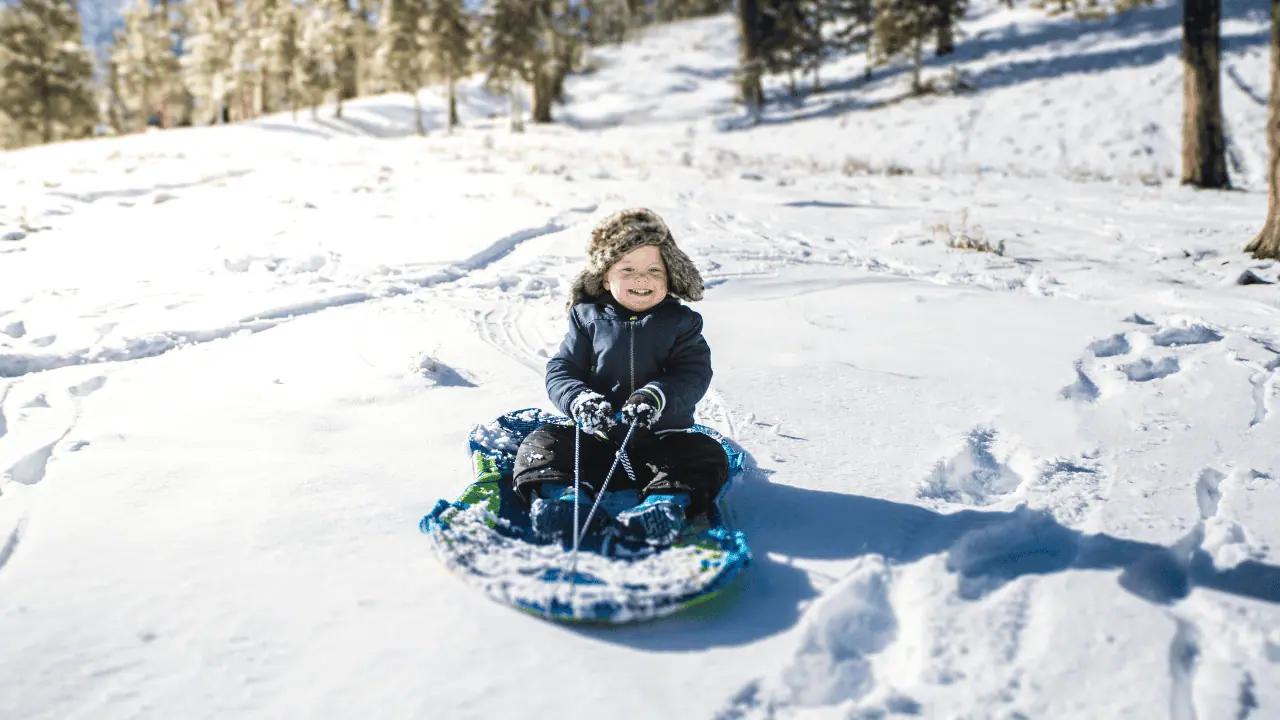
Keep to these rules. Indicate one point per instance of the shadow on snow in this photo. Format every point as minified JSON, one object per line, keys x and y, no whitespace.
{"x":984,"y":550}
{"x":1152,"y":20}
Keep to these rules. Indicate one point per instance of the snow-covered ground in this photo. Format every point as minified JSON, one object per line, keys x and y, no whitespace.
{"x":237,"y":364}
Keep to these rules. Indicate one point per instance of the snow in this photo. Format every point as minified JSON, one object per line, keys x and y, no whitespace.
{"x":238,"y":364}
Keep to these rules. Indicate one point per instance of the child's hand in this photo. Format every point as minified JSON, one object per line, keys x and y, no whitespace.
{"x":592,"y":412}
{"x":641,"y":408}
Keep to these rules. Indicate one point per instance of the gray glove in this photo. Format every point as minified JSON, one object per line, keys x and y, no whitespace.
{"x":642,"y":408}
{"x":592,"y":412}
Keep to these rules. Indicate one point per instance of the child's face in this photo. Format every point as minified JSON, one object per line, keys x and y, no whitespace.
{"x":639,"y":279}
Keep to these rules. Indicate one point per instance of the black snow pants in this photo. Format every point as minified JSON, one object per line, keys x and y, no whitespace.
{"x":670,"y":462}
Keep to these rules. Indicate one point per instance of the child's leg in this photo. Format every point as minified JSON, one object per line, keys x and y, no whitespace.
{"x":688,"y":462}
{"x":546,"y":456}
{"x":685,"y":471}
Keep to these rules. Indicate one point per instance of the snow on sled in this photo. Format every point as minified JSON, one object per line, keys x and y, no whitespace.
{"x":485,"y":538}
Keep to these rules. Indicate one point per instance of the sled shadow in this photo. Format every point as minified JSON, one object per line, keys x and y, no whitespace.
{"x":984,"y":550}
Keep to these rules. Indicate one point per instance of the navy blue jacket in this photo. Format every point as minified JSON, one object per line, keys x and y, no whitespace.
{"x":615,"y":351}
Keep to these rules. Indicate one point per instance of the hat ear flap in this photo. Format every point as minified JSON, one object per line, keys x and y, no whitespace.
{"x":586,"y":285}
{"x":683,"y":276}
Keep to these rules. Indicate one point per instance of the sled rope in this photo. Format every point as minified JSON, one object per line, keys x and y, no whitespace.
{"x":577,"y":481}
{"x":578,"y":534}
{"x":626,"y":465}
{"x":577,"y":486}
{"x":622,"y":453}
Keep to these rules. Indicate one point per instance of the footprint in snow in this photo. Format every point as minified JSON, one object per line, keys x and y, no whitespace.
{"x":88,"y":387}
{"x":1143,"y":370}
{"x":1109,"y":347}
{"x":39,"y":401}
{"x":1083,"y":389}
{"x":974,"y":475}
{"x":438,"y":374}
{"x":30,"y":468}
{"x":1193,"y":335}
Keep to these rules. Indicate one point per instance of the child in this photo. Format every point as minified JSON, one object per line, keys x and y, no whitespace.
{"x":634,"y":347}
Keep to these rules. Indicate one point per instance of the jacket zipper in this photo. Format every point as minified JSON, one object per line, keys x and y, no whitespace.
{"x":632,"y":355}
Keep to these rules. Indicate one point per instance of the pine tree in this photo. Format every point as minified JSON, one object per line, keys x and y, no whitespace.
{"x":207,"y":66}
{"x":279,"y":57}
{"x":573,"y":39}
{"x":448,"y":47}
{"x":181,"y":102}
{"x":508,"y":46}
{"x":248,"y":57}
{"x":343,"y":29}
{"x":949,"y":13}
{"x":1267,"y":242}
{"x":794,"y":42}
{"x":364,"y":39}
{"x":324,"y":61}
{"x":45,"y":73}
{"x":312,"y":67}
{"x":606,"y":20}
{"x":400,"y":50}
{"x":555,"y":51}
{"x":751,"y":39}
{"x":901,"y":27}
{"x":667,"y":10}
{"x":145,"y":69}
{"x":848,"y":28}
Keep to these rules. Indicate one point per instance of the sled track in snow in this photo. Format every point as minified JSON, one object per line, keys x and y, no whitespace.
{"x":500,"y":328}
{"x":1184,"y":649}
{"x":11,"y":544}
{"x":154,"y":345}
{"x":16,"y":365}
{"x":31,"y":467}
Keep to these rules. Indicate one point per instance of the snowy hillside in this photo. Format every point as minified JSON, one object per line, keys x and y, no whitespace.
{"x":238,"y":364}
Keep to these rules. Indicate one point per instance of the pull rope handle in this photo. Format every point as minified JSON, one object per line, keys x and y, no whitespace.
{"x":622,"y":453}
{"x":579,"y":531}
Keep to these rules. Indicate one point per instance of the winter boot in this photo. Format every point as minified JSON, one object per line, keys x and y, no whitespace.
{"x":657,"y":521}
{"x":551,"y":515}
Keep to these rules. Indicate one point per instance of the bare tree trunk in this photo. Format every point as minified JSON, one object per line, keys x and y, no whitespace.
{"x":1204,"y":157}
{"x":917,"y":64}
{"x":453,"y":102}
{"x":945,"y":38}
{"x":517,"y":122}
{"x":46,"y":112}
{"x":1267,"y":242}
{"x":263,"y":91}
{"x":749,"y":62}
{"x":542,"y":96}
{"x":417,"y":113}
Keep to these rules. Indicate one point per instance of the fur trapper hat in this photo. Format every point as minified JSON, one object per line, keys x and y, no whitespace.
{"x":619,"y":234}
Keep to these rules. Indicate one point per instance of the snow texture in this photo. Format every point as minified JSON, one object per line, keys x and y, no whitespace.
{"x":973,"y":476}
{"x":237,"y":364}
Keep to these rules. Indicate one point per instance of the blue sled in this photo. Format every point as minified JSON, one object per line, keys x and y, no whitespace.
{"x":484,"y":537}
